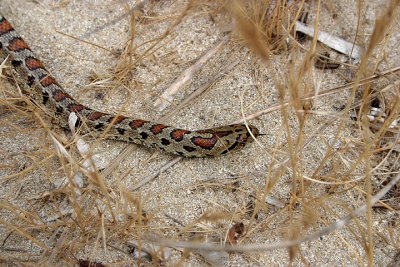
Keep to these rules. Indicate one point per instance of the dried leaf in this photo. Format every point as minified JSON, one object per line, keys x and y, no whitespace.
{"x":235,"y":233}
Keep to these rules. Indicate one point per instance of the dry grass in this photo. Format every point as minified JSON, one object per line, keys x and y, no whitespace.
{"x":326,"y":176}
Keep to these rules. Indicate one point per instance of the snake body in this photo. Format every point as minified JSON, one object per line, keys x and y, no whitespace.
{"x":46,"y":92}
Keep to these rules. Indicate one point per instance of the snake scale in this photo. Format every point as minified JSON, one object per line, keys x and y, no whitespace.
{"x":46,"y":92}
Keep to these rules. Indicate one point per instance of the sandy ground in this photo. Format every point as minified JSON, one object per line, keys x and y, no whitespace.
{"x":192,"y":187}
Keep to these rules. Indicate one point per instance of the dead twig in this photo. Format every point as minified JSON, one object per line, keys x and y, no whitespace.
{"x":349,"y":49}
{"x":201,"y":89}
{"x":185,"y":77}
{"x":162,"y":169}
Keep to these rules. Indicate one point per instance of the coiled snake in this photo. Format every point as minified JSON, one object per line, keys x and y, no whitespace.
{"x":45,"y":91}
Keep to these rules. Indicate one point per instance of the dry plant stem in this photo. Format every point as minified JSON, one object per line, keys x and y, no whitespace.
{"x":200,"y":90}
{"x":284,"y":244}
{"x":186,"y":76}
{"x":23,"y":233}
{"x":26,"y":170}
{"x":295,"y":89}
{"x":334,"y":42}
{"x":114,"y":21}
{"x":161,"y":170}
{"x":325,"y":92}
{"x":360,"y":5}
{"x":55,"y":250}
{"x":85,"y":42}
{"x":121,"y":156}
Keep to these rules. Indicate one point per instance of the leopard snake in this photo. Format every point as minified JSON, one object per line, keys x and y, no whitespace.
{"x":45,"y":92}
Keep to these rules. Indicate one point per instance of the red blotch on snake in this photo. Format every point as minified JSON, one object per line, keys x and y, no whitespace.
{"x":17,"y":44}
{"x":48,"y":80}
{"x":60,"y":95}
{"x":157,"y":128}
{"x":137,"y":124}
{"x":34,"y":63}
{"x":96,"y":115}
{"x":76,"y":107}
{"x":205,"y":143}
{"x":178,"y":134}
{"x":5,"y":26}
{"x":117,"y":119}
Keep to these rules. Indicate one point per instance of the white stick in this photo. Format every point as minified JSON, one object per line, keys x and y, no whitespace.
{"x":352,"y":50}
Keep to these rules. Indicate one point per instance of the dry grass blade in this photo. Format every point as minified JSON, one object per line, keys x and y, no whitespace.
{"x":200,"y":90}
{"x":185,"y":77}
{"x":162,"y":169}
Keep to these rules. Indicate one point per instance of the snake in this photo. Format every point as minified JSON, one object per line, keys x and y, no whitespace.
{"x":45,"y":92}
